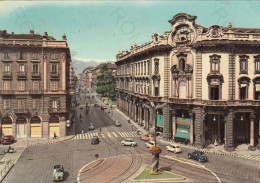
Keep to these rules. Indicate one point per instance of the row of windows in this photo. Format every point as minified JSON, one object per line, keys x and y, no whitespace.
{"x":21,"y":103}
{"x":35,"y":68}
{"x":35,"y":55}
{"x":54,"y":85}
{"x":243,"y":60}
{"x":141,"y":68}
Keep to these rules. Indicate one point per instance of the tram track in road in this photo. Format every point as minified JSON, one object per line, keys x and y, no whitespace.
{"x":183,"y":169}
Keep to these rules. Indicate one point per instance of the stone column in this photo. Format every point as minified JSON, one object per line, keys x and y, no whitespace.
{"x":45,"y":129}
{"x":199,"y":127}
{"x":191,"y":128}
{"x":62,"y":128}
{"x":252,"y":130}
{"x":28,"y":126}
{"x":167,"y":122}
{"x":229,"y":131}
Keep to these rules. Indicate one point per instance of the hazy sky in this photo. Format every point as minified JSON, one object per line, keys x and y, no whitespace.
{"x":98,"y":30}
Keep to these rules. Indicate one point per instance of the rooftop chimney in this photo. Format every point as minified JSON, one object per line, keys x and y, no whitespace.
{"x":32,"y":32}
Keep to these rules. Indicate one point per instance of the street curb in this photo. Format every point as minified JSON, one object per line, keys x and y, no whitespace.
{"x":6,"y":173}
{"x":51,"y":142}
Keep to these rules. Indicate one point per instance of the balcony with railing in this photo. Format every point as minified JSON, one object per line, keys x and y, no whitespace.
{"x":57,"y":110}
{"x":7,"y":74}
{"x":36,"y":92}
{"x":21,"y":74}
{"x":6,"y":92}
{"x":36,"y":75}
{"x":21,"y":111}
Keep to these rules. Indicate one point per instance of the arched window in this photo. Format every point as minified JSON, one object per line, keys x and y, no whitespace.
{"x":182,"y":64}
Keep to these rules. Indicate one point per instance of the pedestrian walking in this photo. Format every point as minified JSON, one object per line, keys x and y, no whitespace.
{"x":54,"y":136}
{"x":100,"y":130}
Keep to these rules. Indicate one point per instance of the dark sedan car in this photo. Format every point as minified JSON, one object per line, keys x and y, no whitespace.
{"x":8,"y":139}
{"x":95,"y":140}
{"x":197,"y":155}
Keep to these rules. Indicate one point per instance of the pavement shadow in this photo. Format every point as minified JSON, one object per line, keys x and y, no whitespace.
{"x":66,"y":175}
{"x":166,"y":168}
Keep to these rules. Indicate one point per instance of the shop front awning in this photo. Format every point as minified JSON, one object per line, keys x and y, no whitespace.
{"x":182,"y":135}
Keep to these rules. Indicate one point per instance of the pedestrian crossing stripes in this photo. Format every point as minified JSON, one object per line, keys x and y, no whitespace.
{"x":250,"y":157}
{"x":105,"y":135}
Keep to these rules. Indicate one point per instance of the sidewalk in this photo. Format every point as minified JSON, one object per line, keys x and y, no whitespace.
{"x":240,"y":151}
{"x":9,"y":159}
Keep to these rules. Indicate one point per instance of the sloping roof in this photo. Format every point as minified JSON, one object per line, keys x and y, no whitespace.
{"x":111,"y":66}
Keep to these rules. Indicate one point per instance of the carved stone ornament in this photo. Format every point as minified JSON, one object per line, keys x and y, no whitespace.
{"x":174,"y":69}
{"x":199,"y":30}
{"x":215,"y":31}
{"x":188,"y":68}
{"x":215,"y":79}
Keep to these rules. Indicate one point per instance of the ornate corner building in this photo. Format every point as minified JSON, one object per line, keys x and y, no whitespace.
{"x":209,"y":79}
{"x":36,"y":85}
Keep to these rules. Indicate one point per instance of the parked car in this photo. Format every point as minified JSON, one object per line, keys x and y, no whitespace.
{"x":95,"y":140}
{"x":58,"y":173}
{"x":91,"y":126}
{"x":128,"y":142}
{"x":147,"y":137}
{"x":117,"y":123}
{"x":197,"y":155}
{"x":8,"y":139}
{"x":150,"y":143}
{"x":173,"y":148}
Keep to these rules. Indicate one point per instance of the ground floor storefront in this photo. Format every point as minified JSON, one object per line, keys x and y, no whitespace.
{"x":199,"y":125}
{"x":23,"y":127}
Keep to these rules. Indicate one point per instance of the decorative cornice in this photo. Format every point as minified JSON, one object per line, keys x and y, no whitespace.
{"x":181,"y":16}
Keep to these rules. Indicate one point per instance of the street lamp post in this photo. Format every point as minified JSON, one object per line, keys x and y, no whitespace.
{"x":155,"y":150}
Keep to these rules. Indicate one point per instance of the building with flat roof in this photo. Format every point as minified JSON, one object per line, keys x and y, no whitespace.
{"x":36,"y":85}
{"x":208,"y":78}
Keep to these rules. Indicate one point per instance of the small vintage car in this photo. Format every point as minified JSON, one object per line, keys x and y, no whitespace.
{"x":117,"y":123}
{"x":173,"y":148}
{"x":95,"y":140}
{"x":91,"y":126}
{"x":58,"y":173}
{"x":8,"y":139}
{"x":147,"y":137}
{"x":128,"y":142}
{"x":198,"y":155}
{"x":150,"y":144}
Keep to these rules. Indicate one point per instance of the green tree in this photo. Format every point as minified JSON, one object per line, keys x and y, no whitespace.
{"x":106,"y":83}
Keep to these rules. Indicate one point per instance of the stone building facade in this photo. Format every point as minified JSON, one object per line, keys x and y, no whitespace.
{"x":36,"y":85}
{"x":207,"y":78}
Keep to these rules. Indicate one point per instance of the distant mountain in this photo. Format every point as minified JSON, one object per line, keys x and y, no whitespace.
{"x":79,"y":66}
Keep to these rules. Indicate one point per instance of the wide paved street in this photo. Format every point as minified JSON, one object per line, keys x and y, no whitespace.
{"x":36,"y":163}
